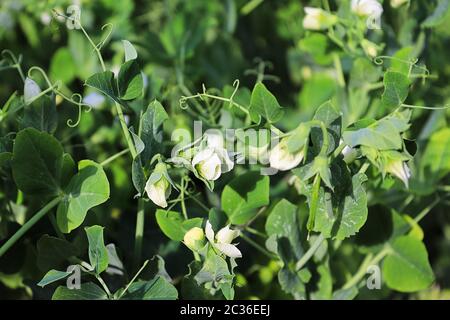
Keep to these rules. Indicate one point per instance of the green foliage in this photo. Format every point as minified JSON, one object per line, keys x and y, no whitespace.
{"x":243,"y":195}
{"x":111,"y":150}
{"x":87,"y":189}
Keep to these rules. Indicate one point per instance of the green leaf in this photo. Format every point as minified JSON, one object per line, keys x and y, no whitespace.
{"x":384,"y":134}
{"x":68,"y":169}
{"x":156,"y":289}
{"x":151,"y":133}
{"x":87,"y":291}
{"x":264,"y":104}
{"x":215,"y":275}
{"x":437,"y":153}
{"x":53,"y":276}
{"x":332,"y":119}
{"x":402,"y":59}
{"x":173,"y":224}
{"x":243,"y":195}
{"x":406,"y":268}
{"x":350,"y":210}
{"x":105,"y":83}
{"x":396,"y":88}
{"x":341,"y":213}
{"x":41,"y":115}
{"x":37,"y":162}
{"x":98,"y":254}
{"x":87,"y":189}
{"x":324,"y":284}
{"x":130,"y":81}
{"x":282,"y":222}
{"x":298,"y":138}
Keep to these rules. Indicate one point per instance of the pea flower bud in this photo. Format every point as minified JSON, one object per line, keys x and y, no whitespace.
{"x":281,"y":159}
{"x":158,"y":186}
{"x":194,"y":239}
{"x":399,"y":169}
{"x":318,"y":19}
{"x":369,"y":48}
{"x":366,"y":8}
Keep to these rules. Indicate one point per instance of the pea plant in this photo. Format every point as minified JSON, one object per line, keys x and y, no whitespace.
{"x":151,"y":159}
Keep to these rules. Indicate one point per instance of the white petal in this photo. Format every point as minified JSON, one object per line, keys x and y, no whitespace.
{"x":209,"y":232}
{"x":226,"y":163}
{"x":210,"y":168}
{"x":214,"y":139}
{"x":226,"y":235}
{"x":202,"y":155}
{"x":280,"y":158}
{"x":157,"y":195}
{"x":312,"y":11}
{"x":311,"y":23}
{"x":229,"y":250}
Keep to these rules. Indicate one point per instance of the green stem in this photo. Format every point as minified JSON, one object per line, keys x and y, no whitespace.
{"x":183,"y":204}
{"x":368,"y":261}
{"x":308,"y":254}
{"x":326,"y":142}
{"x":125,"y":131}
{"x":132,"y":280}
{"x":11,"y":241}
{"x":139,"y":234}
{"x":97,"y":51}
{"x":105,"y":287}
{"x":258,"y":247}
{"x":313,"y":204}
{"x":340,"y":73}
{"x":114,"y":157}
{"x":364,"y":167}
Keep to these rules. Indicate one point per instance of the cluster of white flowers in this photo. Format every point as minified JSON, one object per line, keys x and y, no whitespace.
{"x":319,"y":19}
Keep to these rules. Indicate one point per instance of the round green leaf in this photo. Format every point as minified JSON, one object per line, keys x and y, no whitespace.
{"x":87,"y":189}
{"x":37,"y":162}
{"x":406,"y":268}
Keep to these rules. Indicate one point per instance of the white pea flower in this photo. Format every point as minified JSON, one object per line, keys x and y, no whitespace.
{"x":318,"y":19}
{"x":158,"y":186}
{"x":213,"y":160}
{"x":366,"y":8}
{"x":399,"y":169}
{"x":281,"y":159}
{"x":222,"y":241}
{"x":208,"y":164}
{"x":194,"y":239}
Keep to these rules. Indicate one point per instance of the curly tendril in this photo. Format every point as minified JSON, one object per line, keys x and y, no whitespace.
{"x":80,"y":105}
{"x":110,"y":28}
{"x":76,"y":98}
